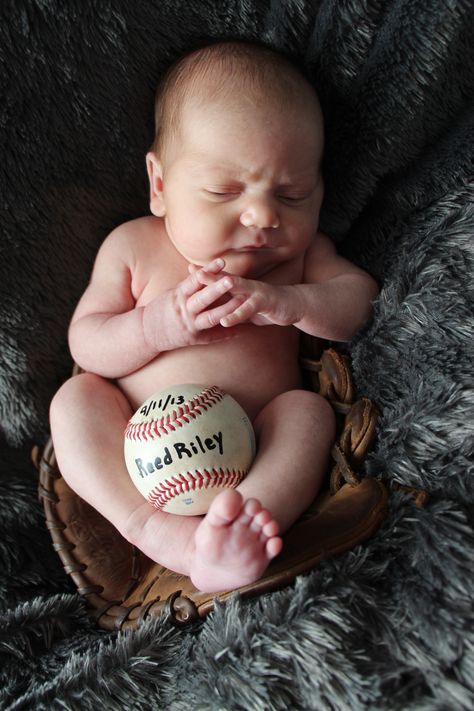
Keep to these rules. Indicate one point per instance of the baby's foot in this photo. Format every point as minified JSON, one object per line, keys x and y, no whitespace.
{"x":233,"y":544}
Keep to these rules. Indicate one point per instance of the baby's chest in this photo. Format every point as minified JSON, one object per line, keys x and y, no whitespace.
{"x":153,"y":276}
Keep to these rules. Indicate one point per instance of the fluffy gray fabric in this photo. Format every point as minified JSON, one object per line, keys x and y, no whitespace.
{"x":389,"y":625}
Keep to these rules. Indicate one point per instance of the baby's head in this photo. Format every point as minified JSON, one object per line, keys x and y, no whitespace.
{"x":231,"y":76}
{"x":238,"y":126}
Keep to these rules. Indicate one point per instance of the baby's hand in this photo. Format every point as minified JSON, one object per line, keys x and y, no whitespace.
{"x":182,"y":316}
{"x":254,"y":302}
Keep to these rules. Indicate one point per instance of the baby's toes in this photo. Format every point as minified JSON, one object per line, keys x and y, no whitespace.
{"x":251,"y":510}
{"x":225,"y":509}
{"x":262,"y":526}
{"x":270,"y":529}
{"x":260,"y":520}
{"x":273,"y":547}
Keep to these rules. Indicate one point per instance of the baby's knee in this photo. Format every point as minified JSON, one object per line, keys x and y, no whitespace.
{"x":75,"y":394}
{"x":320,"y":407}
{"x":305,"y":409}
{"x":307,"y":399}
{"x":318,"y":411}
{"x":326,"y":415}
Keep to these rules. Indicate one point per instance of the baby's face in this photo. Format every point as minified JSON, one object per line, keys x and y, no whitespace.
{"x":244,"y":187}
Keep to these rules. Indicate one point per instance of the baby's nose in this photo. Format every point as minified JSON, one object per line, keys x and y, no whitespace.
{"x":261,"y":214}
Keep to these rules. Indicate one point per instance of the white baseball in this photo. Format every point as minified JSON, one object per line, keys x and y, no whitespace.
{"x":186,"y":444}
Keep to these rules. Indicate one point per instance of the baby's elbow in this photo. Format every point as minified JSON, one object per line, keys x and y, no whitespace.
{"x":367,"y":310}
{"x":74,"y":344}
{"x":361,"y":313}
{"x":79,"y":346}
{"x":373,"y":290}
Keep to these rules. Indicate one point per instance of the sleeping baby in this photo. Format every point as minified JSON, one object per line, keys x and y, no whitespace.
{"x":215,"y":286}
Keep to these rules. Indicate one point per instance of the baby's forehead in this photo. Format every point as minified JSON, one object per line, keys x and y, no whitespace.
{"x":224,"y":91}
{"x":239,"y":142}
{"x":241,"y":158}
{"x":253,"y":113}
{"x":229,"y":170}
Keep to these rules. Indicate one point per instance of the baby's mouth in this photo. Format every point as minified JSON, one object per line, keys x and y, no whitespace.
{"x":254,"y":248}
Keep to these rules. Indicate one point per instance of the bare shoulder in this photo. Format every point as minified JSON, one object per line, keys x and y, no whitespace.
{"x":110,"y":289}
{"x":322,"y":261}
{"x":132,"y":237}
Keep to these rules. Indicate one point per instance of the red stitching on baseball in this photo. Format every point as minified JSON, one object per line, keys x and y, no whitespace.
{"x":153,"y":429}
{"x":168,"y":489}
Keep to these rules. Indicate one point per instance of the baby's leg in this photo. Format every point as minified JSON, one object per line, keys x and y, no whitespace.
{"x":295,"y":432}
{"x":237,"y":539}
{"x":88,"y":420}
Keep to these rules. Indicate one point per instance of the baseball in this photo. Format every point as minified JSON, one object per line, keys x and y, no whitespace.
{"x":186,"y":444}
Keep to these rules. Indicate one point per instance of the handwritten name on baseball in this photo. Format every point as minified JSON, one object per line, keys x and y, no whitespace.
{"x":181,"y":450}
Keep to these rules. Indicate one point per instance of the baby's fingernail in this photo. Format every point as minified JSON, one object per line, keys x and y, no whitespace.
{"x":219,"y":262}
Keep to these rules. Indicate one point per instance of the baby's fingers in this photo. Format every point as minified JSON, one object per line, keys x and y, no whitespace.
{"x":241,"y":314}
{"x":204,"y":298}
{"x":214,"y":317}
{"x":201,"y":276}
{"x":214,"y":267}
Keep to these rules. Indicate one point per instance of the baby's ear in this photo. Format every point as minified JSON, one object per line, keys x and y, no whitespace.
{"x":155,"y":176}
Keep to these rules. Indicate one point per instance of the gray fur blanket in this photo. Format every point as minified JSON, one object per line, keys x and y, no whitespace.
{"x":390,"y":625}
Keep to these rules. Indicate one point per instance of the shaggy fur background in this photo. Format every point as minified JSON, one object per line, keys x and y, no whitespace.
{"x":389,"y":626}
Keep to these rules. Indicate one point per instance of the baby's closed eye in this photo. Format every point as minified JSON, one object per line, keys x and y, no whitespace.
{"x":222,"y":192}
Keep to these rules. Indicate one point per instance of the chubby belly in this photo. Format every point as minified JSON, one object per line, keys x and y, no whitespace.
{"x":254,"y":367}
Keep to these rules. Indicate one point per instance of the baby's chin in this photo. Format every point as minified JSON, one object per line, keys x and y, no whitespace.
{"x":251,"y":265}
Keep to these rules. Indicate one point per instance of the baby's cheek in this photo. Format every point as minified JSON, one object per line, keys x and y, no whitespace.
{"x":304,"y":235}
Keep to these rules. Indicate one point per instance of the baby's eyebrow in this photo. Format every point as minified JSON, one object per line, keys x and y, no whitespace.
{"x":228,"y":171}
{"x":198,"y":169}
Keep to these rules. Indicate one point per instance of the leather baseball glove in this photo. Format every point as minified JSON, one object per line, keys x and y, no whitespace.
{"x":123,"y":587}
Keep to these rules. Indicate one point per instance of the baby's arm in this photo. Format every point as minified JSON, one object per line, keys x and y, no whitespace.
{"x":334,"y":301}
{"x":112,"y":337}
{"x":336,"y":296}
